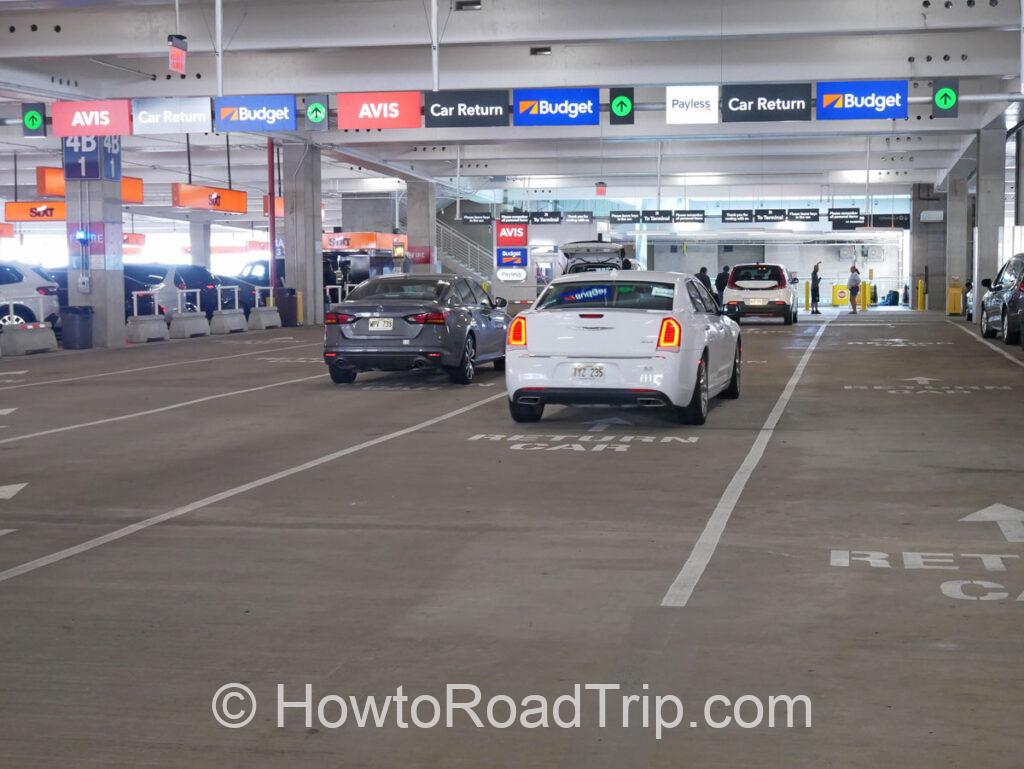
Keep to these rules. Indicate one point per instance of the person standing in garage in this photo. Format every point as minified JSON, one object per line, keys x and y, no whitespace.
{"x":815,"y":289}
{"x":704,"y":278}
{"x":721,"y":281}
{"x":854,"y":285}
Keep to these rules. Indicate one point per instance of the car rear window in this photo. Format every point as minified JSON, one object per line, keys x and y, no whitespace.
{"x":758,"y":273}
{"x":195,"y":276}
{"x":146,"y":273}
{"x":44,"y":274}
{"x":427,"y":290}
{"x":611,"y":294}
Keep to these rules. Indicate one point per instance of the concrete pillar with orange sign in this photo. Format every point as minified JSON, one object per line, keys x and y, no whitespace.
{"x":302,"y":231}
{"x":199,"y":239}
{"x":96,"y":271}
{"x":421,"y":226}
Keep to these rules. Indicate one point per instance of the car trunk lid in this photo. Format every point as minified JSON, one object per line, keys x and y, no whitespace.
{"x":593,"y":333}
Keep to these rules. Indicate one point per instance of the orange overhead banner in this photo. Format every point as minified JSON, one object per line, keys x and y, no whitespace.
{"x":50,"y":184}
{"x":35,"y":211}
{"x":278,"y":206}
{"x":357,"y":241}
{"x":133,"y":239}
{"x":6,"y":230}
{"x":209,"y":198}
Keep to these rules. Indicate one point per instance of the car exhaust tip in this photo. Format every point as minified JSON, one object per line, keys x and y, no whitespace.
{"x":650,"y":402}
{"x":528,"y":400}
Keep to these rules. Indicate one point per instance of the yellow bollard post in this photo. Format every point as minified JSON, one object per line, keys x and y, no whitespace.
{"x":298,"y":307}
{"x":807,"y":296}
{"x":920,"y":295}
{"x":865,"y":295}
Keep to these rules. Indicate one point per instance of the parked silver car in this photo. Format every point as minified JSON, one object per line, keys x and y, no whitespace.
{"x":27,"y":295}
{"x":403,"y":322}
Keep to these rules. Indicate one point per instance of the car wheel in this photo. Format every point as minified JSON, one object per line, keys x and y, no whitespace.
{"x":466,"y":369}
{"x":499,"y":364}
{"x":1011,"y":330}
{"x":696,"y":411}
{"x":796,"y":316}
{"x":733,"y":390}
{"x":522,"y":412}
{"x":16,"y":316}
{"x":342,"y":375}
{"x":790,"y":315}
{"x":986,"y":330}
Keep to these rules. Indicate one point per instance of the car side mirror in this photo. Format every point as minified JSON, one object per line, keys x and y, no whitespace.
{"x":987,"y":283}
{"x":500,"y":301}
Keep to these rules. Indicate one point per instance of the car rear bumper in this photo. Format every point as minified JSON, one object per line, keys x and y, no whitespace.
{"x":590,"y":395}
{"x":743,"y":310}
{"x":387,"y":360}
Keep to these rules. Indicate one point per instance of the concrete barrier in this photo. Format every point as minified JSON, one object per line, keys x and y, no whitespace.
{"x":27,"y":339}
{"x":186,"y":325}
{"x":262,"y":318}
{"x":228,"y":322}
{"x":147,"y":328}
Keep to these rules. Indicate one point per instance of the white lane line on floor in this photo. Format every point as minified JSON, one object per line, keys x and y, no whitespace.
{"x":161,"y":409}
{"x":987,"y":343}
{"x":6,"y":412}
{"x":682,"y":588}
{"x":113,"y":536}
{"x":7,"y":531}
{"x":155,"y":366}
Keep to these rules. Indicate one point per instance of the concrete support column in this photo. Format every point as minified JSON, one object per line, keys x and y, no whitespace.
{"x":421,"y":222}
{"x":927,"y":248}
{"x":199,"y":238}
{"x":96,"y":270}
{"x":991,"y":211}
{"x":303,"y":253}
{"x":956,"y":233}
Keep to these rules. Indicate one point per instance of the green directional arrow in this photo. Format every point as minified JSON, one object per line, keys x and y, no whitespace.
{"x":622,"y":105}
{"x":316,"y":112}
{"x":32,"y":120}
{"x":945,"y":98}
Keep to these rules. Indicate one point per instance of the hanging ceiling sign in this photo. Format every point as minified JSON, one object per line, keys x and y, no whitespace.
{"x":6,"y":230}
{"x":177,"y":53}
{"x":209,"y":198}
{"x":511,"y":257}
{"x":770,"y":215}
{"x":545,"y":217}
{"x":254,"y":113}
{"x":691,"y":104}
{"x":92,"y":118}
{"x":517,"y":217}
{"x":278,"y":206}
{"x":843,"y":214}
{"x":862,"y":100}
{"x":803,"y":215}
{"x":621,"y":106}
{"x":379,"y":109}
{"x":476,"y":217}
{"x":737,"y":216}
{"x":897,"y":221}
{"x":35,"y":211}
{"x":50,"y":184}
{"x":171,"y":115}
{"x":695,"y":216}
{"x":656,"y":217}
{"x":624,"y":217}
{"x":766,"y":102}
{"x":578,"y":217}
{"x":465,"y":109}
{"x":33,"y":120}
{"x":511,"y":234}
{"x":556,"y":106}
{"x":133,"y":239}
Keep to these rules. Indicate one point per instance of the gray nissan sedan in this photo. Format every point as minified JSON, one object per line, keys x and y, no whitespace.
{"x":403,"y":322}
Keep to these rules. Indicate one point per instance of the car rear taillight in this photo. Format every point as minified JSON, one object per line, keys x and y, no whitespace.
{"x":210,"y":286}
{"x":47,"y":290}
{"x":338,"y":318}
{"x":671,"y":334}
{"x":777,"y":301}
{"x":732,"y":280}
{"x":517,"y":332}
{"x":428,"y":318}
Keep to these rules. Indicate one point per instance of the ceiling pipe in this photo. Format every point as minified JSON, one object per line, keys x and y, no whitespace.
{"x":434,"y":53}
{"x":218,"y":30}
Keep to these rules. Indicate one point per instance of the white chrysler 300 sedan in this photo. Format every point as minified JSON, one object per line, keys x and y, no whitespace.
{"x":623,"y":337}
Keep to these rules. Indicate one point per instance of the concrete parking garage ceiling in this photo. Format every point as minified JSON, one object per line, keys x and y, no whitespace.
{"x":51,"y":50}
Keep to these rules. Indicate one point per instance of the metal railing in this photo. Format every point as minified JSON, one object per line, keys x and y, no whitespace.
{"x":135,"y":303}
{"x":220,"y":298}
{"x":31,"y":302}
{"x":185,"y":292}
{"x":270,"y":296}
{"x":337,"y":293}
{"x":463,"y":251}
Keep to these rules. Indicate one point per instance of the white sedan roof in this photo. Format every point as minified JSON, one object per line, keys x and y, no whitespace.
{"x":634,"y":276}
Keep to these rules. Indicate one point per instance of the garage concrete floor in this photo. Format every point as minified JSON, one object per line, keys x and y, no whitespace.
{"x":217,"y":511}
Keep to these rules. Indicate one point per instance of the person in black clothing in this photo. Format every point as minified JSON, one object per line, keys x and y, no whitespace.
{"x":721,"y":281}
{"x":704,"y":278}
{"x":815,"y":289}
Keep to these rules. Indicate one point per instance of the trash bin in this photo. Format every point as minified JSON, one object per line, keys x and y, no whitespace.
{"x":76,"y":328}
{"x":287,"y":306}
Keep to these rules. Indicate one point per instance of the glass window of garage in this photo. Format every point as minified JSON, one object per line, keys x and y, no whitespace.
{"x":420,"y":289}
{"x":9,"y":275}
{"x":614,"y":295}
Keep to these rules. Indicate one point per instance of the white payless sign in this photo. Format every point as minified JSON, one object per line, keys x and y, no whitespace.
{"x":511,"y":274}
{"x":171,"y":115}
{"x":689,"y":104}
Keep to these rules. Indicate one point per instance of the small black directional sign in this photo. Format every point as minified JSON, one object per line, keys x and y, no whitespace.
{"x":945,"y":97}
{"x":33,"y":120}
{"x":621,"y":106}
{"x":315,"y":112}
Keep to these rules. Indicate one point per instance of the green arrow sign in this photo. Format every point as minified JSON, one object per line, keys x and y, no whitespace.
{"x":33,"y":120}
{"x":946,"y":98}
{"x":316,"y":112}
{"x":622,"y":105}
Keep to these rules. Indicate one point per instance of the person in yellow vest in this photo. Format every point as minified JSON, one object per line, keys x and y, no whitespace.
{"x":853,"y":283}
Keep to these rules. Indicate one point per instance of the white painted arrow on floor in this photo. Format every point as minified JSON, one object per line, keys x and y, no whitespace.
{"x":13,"y":373}
{"x":921,"y":380}
{"x":5,"y":412}
{"x":603,"y":424}
{"x":7,"y":492}
{"x":7,"y":531}
{"x":1010,"y":520}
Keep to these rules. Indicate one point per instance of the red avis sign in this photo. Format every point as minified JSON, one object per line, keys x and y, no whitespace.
{"x":92,"y":118}
{"x":379,"y":109}
{"x":510,"y":234}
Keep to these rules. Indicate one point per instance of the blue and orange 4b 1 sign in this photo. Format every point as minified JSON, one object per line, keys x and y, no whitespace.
{"x":512,"y":257}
